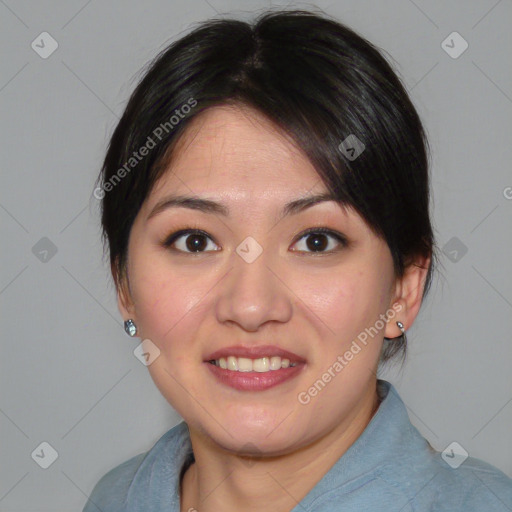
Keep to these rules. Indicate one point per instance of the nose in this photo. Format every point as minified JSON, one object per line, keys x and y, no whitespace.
{"x":254,"y":293}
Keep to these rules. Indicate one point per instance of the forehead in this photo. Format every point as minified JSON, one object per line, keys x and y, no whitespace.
{"x":237,"y":150}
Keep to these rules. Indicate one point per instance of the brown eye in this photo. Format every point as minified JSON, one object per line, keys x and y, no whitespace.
{"x":321,"y":240}
{"x":316,"y":240}
{"x":192,"y":241}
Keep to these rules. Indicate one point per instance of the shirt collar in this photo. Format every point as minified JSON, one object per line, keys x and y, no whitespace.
{"x":387,"y":440}
{"x":156,"y":482}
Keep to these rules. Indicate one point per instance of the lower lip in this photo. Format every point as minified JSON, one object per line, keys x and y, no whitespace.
{"x":254,"y":381}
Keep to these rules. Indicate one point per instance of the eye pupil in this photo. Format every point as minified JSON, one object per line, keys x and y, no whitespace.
{"x":317,"y":244}
{"x":195,"y":242}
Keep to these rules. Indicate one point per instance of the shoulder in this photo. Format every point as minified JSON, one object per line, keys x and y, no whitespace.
{"x":430,"y":480}
{"x":134,"y":479}
{"x":111,"y":490}
{"x":429,"y":483}
{"x":473,"y":486}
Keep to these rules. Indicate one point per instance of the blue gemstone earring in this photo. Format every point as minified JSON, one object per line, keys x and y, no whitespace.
{"x":130,"y":327}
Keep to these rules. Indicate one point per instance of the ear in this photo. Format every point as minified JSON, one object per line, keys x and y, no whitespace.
{"x":408,"y":296}
{"x":124,"y":299}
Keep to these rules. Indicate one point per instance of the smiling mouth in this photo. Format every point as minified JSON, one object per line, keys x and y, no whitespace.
{"x":255,"y":367}
{"x":245,"y":364}
{"x":247,"y":377}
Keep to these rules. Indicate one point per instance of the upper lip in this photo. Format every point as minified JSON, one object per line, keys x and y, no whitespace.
{"x":255,"y":352}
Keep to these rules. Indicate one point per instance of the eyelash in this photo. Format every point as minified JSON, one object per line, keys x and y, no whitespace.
{"x":171,"y":239}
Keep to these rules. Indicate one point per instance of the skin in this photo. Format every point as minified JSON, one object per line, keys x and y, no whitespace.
{"x":190,"y":304}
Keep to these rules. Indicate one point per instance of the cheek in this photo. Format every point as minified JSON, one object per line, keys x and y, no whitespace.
{"x":348,"y":301}
{"x":167,"y":303}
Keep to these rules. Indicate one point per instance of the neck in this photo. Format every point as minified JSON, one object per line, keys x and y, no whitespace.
{"x":221,"y":481}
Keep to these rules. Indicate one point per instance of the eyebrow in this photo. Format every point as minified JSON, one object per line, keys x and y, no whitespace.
{"x":213,"y":207}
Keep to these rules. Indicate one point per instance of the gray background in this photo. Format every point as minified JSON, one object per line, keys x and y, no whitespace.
{"x":68,"y":373}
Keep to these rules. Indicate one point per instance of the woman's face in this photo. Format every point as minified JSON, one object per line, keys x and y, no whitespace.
{"x":252,"y":278}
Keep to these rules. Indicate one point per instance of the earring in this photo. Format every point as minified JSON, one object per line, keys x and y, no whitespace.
{"x":401,"y":326}
{"x":130,"y":327}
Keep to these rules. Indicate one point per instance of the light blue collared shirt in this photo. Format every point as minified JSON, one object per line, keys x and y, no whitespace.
{"x":390,"y":467}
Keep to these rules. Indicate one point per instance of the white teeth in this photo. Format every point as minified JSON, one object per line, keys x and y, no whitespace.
{"x":261,"y":365}
{"x":244,"y":364}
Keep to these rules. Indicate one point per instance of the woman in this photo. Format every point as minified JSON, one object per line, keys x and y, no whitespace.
{"x":265,"y":201}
